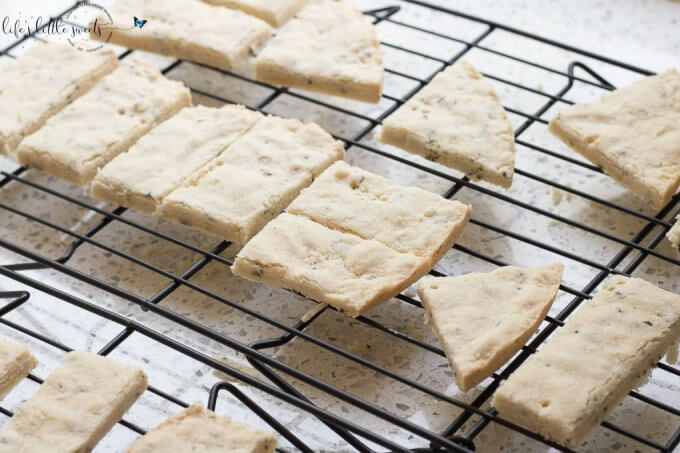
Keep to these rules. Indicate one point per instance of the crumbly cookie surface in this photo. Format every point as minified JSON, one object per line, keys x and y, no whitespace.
{"x":188,"y":29}
{"x":406,"y":219}
{"x":16,"y":361}
{"x":163,"y":159}
{"x":275,"y":13}
{"x":75,"y":407}
{"x":197,"y":429}
{"x":457,"y":120}
{"x":254,"y":179}
{"x":632,"y":133}
{"x":104,"y":122}
{"x":483,"y":319}
{"x":605,"y":349}
{"x":328,"y":47}
{"x":673,"y":234}
{"x":347,"y":241}
{"x":41,"y":83}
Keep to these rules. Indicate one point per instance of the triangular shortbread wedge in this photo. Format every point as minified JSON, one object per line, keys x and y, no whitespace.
{"x":42,"y":82}
{"x":188,"y":29}
{"x":632,"y":133}
{"x":673,"y":234}
{"x":163,"y":159}
{"x":457,"y":120}
{"x":276,"y":13}
{"x":327,"y":47}
{"x":104,"y":122}
{"x":607,"y":347}
{"x":199,"y":430}
{"x":483,"y":319}
{"x":254,"y":179}
{"x":353,"y":239}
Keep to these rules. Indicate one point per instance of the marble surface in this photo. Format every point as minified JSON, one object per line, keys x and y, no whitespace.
{"x":645,"y":33}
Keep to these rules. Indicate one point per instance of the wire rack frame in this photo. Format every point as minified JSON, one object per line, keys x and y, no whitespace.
{"x":452,"y":438}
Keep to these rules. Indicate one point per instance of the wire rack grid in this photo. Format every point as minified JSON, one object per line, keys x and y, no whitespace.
{"x":573,"y":72}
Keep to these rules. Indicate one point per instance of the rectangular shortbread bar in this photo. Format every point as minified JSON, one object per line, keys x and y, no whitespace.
{"x":325,"y":265}
{"x":75,"y":407}
{"x":254,"y":179}
{"x":42,"y":82}
{"x":606,"y":348}
{"x":188,"y":29}
{"x":101,"y":124}
{"x":199,"y":430}
{"x":16,"y":362}
{"x":165,"y":157}
{"x":406,"y":219}
{"x":353,"y":239}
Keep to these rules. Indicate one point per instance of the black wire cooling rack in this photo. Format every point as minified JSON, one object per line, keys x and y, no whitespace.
{"x":465,"y":428}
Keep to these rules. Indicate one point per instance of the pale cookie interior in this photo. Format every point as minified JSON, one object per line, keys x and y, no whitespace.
{"x":16,"y":361}
{"x":457,"y":120}
{"x":606,"y":348}
{"x":632,"y":133}
{"x":276,"y":13}
{"x":165,"y":157}
{"x":328,"y":47}
{"x":337,"y":243}
{"x":673,"y":234}
{"x":79,"y":402}
{"x":188,"y":29}
{"x":106,"y":121}
{"x":254,"y":179}
{"x":199,"y":430}
{"x":42,"y":82}
{"x":483,"y":319}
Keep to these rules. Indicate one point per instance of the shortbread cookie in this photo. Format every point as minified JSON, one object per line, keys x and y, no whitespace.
{"x":276,"y":13}
{"x":254,"y":179}
{"x":457,"y":120}
{"x":353,"y":240}
{"x":632,"y":133}
{"x":607,"y":348}
{"x":483,"y":319}
{"x":79,"y":402}
{"x":106,"y":121}
{"x":16,"y":362}
{"x":406,"y":219}
{"x":341,"y":269}
{"x":187,"y":29}
{"x":165,"y":157}
{"x":327,"y":47}
{"x":42,"y":82}
{"x":673,"y":234}
{"x":199,"y":430}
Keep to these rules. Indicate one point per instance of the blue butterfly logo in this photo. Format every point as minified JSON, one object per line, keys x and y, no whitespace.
{"x":139,"y":22}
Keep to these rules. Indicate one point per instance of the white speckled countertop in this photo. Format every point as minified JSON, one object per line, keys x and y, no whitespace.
{"x":644,"y":33}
